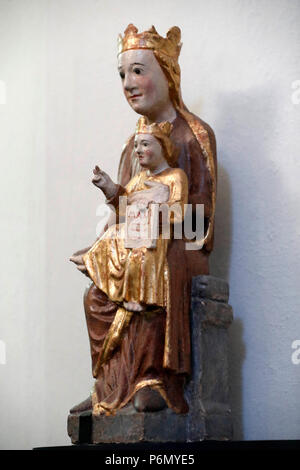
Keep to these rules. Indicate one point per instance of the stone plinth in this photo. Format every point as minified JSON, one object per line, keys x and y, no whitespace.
{"x":207,"y":391}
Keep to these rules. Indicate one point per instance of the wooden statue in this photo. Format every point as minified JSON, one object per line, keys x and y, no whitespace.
{"x":137,"y":307}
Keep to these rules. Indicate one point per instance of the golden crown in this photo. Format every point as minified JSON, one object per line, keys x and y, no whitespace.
{"x":150,"y":39}
{"x":162,"y":129}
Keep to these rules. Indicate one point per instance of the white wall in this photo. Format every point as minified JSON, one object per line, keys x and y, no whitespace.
{"x":64,"y":112}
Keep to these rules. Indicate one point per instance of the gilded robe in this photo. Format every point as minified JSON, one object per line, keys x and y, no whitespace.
{"x":140,"y":359}
{"x":140,"y":274}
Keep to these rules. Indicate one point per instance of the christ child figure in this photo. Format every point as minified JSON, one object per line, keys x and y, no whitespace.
{"x":135,"y":275}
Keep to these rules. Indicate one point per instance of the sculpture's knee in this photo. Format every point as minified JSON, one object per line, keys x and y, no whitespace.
{"x":96,"y":301}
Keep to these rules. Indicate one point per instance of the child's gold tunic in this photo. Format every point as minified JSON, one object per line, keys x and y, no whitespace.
{"x":139,"y":274}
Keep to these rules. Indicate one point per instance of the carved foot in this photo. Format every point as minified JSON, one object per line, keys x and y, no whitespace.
{"x":148,"y":399}
{"x":85,"y":405}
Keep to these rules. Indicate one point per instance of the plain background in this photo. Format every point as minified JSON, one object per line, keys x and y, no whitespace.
{"x":62,"y":111}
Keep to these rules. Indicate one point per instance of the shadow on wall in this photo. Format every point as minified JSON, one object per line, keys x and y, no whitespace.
{"x":245,"y":161}
{"x":220,"y":258}
{"x":220,"y":266}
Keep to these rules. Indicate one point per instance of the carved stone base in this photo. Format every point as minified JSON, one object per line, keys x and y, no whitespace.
{"x":207,"y":392}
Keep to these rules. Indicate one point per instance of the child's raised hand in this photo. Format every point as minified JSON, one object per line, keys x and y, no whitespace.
{"x":100,"y":178}
{"x":103,"y":181}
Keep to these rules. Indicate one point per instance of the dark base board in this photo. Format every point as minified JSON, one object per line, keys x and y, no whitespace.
{"x":144,"y":448}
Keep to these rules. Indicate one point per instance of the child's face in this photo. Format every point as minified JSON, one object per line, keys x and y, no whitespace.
{"x":149,"y":151}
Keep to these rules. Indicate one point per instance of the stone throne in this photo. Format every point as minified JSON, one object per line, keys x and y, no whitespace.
{"x":207,"y":392}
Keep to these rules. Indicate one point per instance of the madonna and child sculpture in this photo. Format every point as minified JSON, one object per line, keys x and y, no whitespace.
{"x":152,"y":309}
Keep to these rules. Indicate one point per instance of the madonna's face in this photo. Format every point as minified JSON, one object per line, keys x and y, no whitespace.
{"x":144,"y":83}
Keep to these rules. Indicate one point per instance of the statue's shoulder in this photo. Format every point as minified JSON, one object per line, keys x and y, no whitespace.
{"x":199,"y":130}
{"x":177,"y":172}
{"x":201,"y":123}
{"x":177,"y":175}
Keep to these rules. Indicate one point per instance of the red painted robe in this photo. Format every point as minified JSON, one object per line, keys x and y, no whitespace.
{"x":155,"y":351}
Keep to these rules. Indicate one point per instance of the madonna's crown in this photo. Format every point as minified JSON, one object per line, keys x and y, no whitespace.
{"x":170,"y":45}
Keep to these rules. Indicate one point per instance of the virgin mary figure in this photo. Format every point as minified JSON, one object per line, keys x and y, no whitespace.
{"x":150,"y":75}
